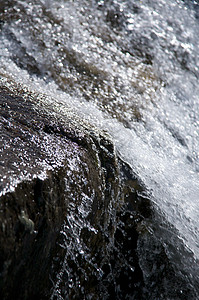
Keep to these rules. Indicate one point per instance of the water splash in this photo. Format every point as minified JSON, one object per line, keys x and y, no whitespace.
{"x":131,"y":68}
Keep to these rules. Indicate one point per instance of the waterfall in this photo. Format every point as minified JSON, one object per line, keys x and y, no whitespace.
{"x":130,"y":68}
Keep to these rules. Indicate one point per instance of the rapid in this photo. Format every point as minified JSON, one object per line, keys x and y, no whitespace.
{"x":131,"y":68}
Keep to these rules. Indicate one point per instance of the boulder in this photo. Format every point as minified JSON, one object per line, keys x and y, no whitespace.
{"x":75,"y":221}
{"x":49,"y":169}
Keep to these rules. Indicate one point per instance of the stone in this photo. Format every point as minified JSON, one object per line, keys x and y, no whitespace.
{"x":75,"y":221}
{"x":48,"y":169}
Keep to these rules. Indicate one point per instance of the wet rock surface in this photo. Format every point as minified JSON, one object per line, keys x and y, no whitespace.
{"x":74,"y":220}
{"x":45,"y":169}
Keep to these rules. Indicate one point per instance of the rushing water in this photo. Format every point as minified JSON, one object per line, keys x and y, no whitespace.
{"x":132,"y":69}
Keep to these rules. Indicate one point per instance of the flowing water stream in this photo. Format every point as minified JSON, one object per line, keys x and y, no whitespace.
{"x":131,"y":68}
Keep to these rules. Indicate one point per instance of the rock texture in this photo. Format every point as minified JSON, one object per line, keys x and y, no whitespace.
{"x":74,"y":221}
{"x":47,"y":170}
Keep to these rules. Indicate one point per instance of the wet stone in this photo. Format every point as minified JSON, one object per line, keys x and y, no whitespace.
{"x":74,"y":221}
{"x":48,"y":173}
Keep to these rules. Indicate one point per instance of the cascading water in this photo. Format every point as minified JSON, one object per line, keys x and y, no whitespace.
{"x":132,"y":69}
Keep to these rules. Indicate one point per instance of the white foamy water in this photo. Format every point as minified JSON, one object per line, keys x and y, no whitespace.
{"x":138,"y":81}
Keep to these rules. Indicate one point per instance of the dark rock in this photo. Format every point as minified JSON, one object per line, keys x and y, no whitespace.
{"x":49,"y":169}
{"x":75,"y":220}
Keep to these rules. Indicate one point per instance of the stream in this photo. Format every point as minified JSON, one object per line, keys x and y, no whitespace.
{"x":130,"y":68}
